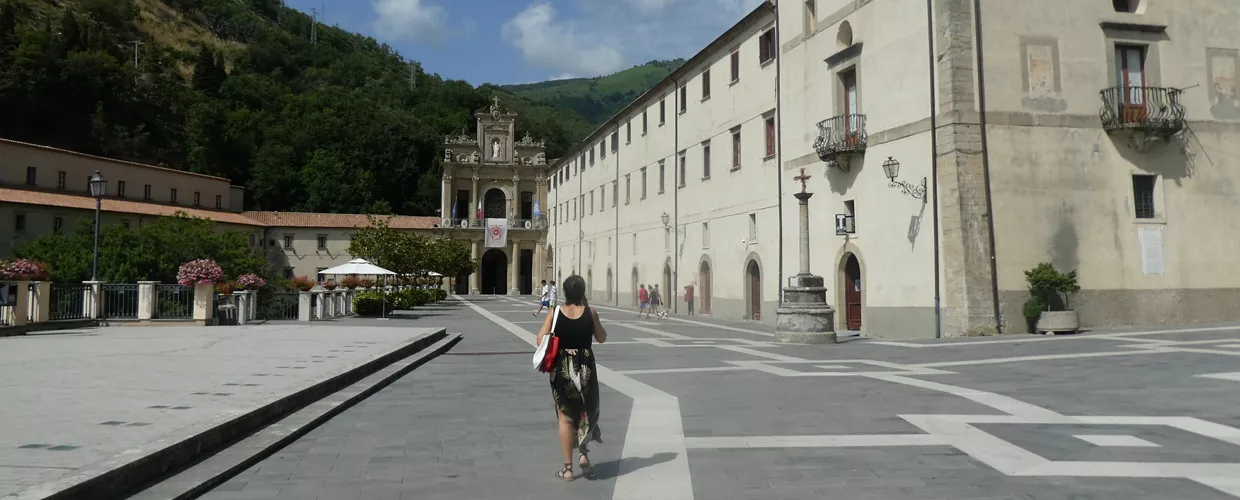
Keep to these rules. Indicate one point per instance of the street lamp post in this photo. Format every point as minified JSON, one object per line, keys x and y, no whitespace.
{"x":98,"y":188}
{"x":891,"y":168}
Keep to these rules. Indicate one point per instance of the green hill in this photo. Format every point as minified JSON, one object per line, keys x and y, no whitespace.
{"x":597,"y":99}
{"x":306,"y":117}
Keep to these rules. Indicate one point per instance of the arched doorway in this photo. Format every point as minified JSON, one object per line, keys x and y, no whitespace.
{"x":852,"y":292}
{"x":666,"y":285}
{"x":590,"y":284}
{"x":753,"y":278}
{"x":495,"y":204}
{"x":494,"y":279}
{"x":611,"y":287}
{"x":634,"y":287}
{"x":462,"y":284}
{"x":704,"y":287}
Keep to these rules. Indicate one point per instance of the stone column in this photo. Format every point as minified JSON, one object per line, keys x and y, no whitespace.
{"x":303,"y":306}
{"x":473,"y":199}
{"x":540,"y":264}
{"x":146,"y":300}
{"x":445,"y":205}
{"x":43,"y":301}
{"x":475,"y":279}
{"x":319,"y":311}
{"x":252,"y":313}
{"x":514,"y":269}
{"x":204,"y":303}
{"x":92,"y":306}
{"x":805,"y":317}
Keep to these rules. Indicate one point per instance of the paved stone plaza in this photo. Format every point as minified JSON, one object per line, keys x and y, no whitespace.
{"x":693,"y":409}
{"x":78,"y":402}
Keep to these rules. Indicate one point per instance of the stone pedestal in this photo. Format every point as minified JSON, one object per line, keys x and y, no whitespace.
{"x":251,"y":313}
{"x":242,"y":299}
{"x":92,"y":303}
{"x":303,"y":306}
{"x":146,"y":300}
{"x":805,"y":317}
{"x":43,"y":302}
{"x":21,"y":310}
{"x":319,"y":307}
{"x":204,"y":303}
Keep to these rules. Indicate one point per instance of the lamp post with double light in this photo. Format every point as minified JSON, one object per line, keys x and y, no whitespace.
{"x":98,"y":188}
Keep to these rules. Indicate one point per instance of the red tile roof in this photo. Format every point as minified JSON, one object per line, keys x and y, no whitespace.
{"x":67,"y":200}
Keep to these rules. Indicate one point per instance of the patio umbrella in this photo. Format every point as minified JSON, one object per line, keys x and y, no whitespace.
{"x":362,"y":266}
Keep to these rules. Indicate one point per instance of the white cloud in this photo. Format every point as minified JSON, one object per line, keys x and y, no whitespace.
{"x":555,"y":44}
{"x":412,"y":20}
{"x":603,"y":36}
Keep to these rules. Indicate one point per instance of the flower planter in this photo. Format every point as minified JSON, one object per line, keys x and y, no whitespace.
{"x":1052,"y":322}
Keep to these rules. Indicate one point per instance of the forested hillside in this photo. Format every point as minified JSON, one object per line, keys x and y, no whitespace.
{"x":238,"y":88}
{"x":597,"y":99}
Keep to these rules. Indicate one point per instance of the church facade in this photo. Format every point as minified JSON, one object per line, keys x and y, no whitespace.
{"x":494,"y":191}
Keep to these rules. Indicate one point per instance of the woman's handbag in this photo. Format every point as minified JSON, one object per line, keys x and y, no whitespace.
{"x":545,"y":354}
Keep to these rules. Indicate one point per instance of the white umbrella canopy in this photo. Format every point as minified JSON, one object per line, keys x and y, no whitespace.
{"x":357,"y":266}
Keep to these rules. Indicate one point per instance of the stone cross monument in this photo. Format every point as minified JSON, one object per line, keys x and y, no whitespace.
{"x":805,"y":317}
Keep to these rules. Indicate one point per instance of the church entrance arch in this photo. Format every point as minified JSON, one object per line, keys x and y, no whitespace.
{"x":634,"y":286}
{"x":753,"y":285}
{"x":494,"y":279}
{"x":852,"y":286}
{"x":667,"y":284}
{"x":610,"y":287}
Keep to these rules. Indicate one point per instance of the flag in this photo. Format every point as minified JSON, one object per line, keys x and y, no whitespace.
{"x":537,"y":212}
{"x":497,"y":233}
{"x":454,"y":211}
{"x":479,"y":216}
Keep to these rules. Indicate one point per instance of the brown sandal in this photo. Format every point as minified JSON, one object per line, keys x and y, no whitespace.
{"x":587,"y":470}
{"x":566,"y":474}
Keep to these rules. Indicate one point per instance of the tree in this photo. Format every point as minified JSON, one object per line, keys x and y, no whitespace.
{"x":209,"y":74}
{"x":401,"y":252}
{"x":151,"y":252}
{"x":450,"y":258}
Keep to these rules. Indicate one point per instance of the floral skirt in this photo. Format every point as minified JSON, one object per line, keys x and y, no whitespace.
{"x":574,"y":385}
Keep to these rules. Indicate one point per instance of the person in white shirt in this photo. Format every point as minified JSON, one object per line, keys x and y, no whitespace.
{"x":551,"y":296}
{"x":545,"y":298}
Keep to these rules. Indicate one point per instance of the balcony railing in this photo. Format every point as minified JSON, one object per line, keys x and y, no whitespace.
{"x":1142,"y":108}
{"x":839,"y":135}
{"x":540,"y":223}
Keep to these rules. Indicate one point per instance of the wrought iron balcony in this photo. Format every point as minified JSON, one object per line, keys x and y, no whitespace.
{"x":539,"y":223}
{"x":1149,"y":109}
{"x":841,"y":135}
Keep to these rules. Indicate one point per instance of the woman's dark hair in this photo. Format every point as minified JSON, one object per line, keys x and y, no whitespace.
{"x":574,"y":291}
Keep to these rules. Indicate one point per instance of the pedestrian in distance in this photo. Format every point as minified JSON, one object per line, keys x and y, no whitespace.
{"x":544,"y":298}
{"x":574,"y":380}
{"x":689,"y":297}
{"x":643,"y":301}
{"x":656,"y":303}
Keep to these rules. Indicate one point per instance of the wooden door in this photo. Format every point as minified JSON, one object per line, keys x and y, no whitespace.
{"x":755,"y":292}
{"x":852,"y":292}
{"x":704,"y":289}
{"x":849,"y":81}
{"x":1130,"y":76}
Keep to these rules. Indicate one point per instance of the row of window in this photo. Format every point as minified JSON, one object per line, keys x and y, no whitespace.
{"x":32,"y":177}
{"x":766,"y":54}
{"x":559,"y":214}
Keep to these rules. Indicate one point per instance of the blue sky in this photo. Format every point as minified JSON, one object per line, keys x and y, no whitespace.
{"x":522,"y":41}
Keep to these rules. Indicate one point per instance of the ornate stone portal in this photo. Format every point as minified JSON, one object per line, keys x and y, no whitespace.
{"x":805,"y":317}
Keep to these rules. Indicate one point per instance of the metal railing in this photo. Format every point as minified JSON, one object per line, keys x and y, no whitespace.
{"x":120,"y":301}
{"x":464,"y":223}
{"x":540,"y":223}
{"x":174,"y":302}
{"x":7,"y":314}
{"x":226,"y":310}
{"x":839,"y":135}
{"x":1150,"y":108}
{"x":69,"y":301}
{"x":277,"y":306}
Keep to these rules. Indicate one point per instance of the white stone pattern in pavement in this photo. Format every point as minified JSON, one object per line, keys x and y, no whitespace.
{"x":959,"y":431}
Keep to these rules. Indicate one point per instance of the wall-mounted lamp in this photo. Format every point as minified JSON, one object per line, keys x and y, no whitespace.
{"x":667,"y":223}
{"x":891,"y":167}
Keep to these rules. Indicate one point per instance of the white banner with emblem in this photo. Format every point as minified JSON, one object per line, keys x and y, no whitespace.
{"x":497,"y":233}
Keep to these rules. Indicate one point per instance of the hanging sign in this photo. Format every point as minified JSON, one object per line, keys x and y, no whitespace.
{"x":497,"y":233}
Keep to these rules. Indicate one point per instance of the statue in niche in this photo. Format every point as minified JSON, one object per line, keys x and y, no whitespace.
{"x":447,"y":155}
{"x":495,"y":147}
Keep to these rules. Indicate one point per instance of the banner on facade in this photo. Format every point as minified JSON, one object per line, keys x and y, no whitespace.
{"x":497,"y":233}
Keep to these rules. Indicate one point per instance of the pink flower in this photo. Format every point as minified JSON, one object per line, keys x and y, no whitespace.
{"x":202,"y":271}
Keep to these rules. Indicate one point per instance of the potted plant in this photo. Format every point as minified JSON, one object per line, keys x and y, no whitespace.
{"x":1050,"y":292}
{"x":199,"y":272}
{"x":368,"y":283}
{"x":350,"y":282}
{"x":225,"y":288}
{"x":251,"y":281}
{"x":330,"y":285}
{"x":22,"y":270}
{"x":303,"y":284}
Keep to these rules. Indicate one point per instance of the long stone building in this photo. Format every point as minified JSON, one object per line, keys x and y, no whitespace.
{"x":951,"y":145}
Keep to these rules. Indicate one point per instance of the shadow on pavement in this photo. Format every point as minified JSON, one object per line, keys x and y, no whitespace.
{"x":610,"y":470}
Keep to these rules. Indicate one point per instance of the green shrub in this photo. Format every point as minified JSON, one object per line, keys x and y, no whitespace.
{"x":440,"y":294}
{"x":1033,"y":308}
{"x":368,"y":304}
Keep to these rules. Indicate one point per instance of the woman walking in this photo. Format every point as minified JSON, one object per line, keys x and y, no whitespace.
{"x":574,"y":381}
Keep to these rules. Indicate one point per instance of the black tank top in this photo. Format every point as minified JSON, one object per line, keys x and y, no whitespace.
{"x":575,"y":333}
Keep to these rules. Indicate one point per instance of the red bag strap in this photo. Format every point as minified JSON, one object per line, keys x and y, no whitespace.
{"x":555,"y":319}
